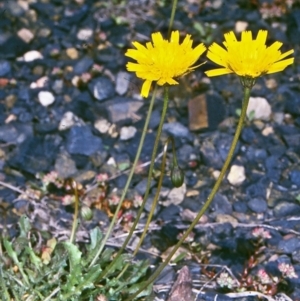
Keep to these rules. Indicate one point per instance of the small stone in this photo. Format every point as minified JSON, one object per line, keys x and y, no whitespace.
{"x":295,"y":177}
{"x":72,"y":53}
{"x":32,"y":55}
{"x":288,"y":246}
{"x":176,"y":129}
{"x":5,"y":68}
{"x":127,"y":132}
{"x":46,"y":98}
{"x":68,"y":120}
{"x":65,"y":166}
{"x":260,"y":106}
{"x":236,"y":175}
{"x":176,"y":196}
{"x":122,"y":82}
{"x":198,"y":117}
{"x":26,"y":35}
{"x":81,"y":141}
{"x":258,"y":205}
{"x":102,"y":125}
{"x":225,"y":218}
{"x":268,"y":131}
{"x":102,"y":88}
{"x":285,"y":209}
{"x":241,"y":26}
{"x":84,"y":34}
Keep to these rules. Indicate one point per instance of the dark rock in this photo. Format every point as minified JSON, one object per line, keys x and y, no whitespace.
{"x":65,"y":166}
{"x":83,"y":66}
{"x":15,"y":133}
{"x":258,"y":205}
{"x":81,"y":141}
{"x":12,"y":47}
{"x":240,"y":206}
{"x":295,"y":177}
{"x":289,"y":246}
{"x":169,"y":213}
{"x":223,"y":144}
{"x":36,"y":154}
{"x":102,"y":88}
{"x":220,"y":203}
{"x":5,"y":68}
{"x":286,"y":209}
{"x":141,"y":186}
{"x":210,"y":156}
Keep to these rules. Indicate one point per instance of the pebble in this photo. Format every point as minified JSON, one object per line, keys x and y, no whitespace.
{"x":68,"y":120}
{"x":46,"y":98}
{"x":102,"y":125}
{"x":81,"y":141}
{"x":26,"y":35}
{"x":122,"y":82}
{"x":72,"y":53}
{"x":32,"y":55}
{"x":102,"y":88}
{"x":5,"y":68}
{"x":65,"y":166}
{"x":176,"y":129}
{"x":84,"y":34}
{"x":284,"y":209}
{"x":241,"y":26}
{"x":258,"y":205}
{"x":261,"y":107}
{"x":176,"y":195}
{"x":127,"y":132}
{"x":236,"y":175}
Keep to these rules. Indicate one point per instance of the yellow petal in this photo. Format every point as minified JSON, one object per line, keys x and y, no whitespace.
{"x":216,"y":72}
{"x":146,"y":88}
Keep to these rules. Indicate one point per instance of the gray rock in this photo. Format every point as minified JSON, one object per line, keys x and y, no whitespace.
{"x":81,"y":141}
{"x":289,"y":246}
{"x":102,"y":88}
{"x":176,"y":129}
{"x":15,"y":132}
{"x":5,"y":68}
{"x":285,"y":209}
{"x":258,"y":205}
{"x":127,"y":132}
{"x":83,"y":65}
{"x":121,"y":109}
{"x":65,"y":166}
{"x":122,"y":82}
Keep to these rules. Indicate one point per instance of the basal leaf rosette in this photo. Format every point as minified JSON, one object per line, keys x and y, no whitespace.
{"x":162,"y":60}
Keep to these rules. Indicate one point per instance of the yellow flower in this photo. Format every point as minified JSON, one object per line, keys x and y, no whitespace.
{"x":163,"y":60}
{"x":248,"y":58}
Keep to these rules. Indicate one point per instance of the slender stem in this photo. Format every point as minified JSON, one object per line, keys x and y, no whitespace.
{"x":138,"y":153}
{"x":163,"y":114}
{"x":75,"y":220}
{"x":154,"y":203}
{"x":247,"y":91}
{"x":174,"y":5}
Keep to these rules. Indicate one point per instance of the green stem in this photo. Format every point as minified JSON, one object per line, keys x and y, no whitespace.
{"x":174,"y":5}
{"x":152,"y":278}
{"x":154,"y":203}
{"x":163,"y":114}
{"x":139,"y":150}
{"x":75,"y":220}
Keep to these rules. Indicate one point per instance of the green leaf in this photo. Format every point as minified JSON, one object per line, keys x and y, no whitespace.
{"x":24,"y":226}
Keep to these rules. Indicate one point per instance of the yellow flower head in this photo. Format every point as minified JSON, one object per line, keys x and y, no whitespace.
{"x":163,"y":60}
{"x":248,"y":58}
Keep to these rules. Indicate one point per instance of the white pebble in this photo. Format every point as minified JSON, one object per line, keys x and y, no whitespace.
{"x":46,"y":98}
{"x":260,"y":106}
{"x":127,"y":132}
{"x":236,"y":175}
{"x":32,"y":55}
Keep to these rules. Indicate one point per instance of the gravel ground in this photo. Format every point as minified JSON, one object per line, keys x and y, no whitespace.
{"x":68,"y":106}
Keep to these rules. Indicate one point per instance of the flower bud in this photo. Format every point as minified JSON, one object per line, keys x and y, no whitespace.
{"x":86,"y":213}
{"x":177,"y":176}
